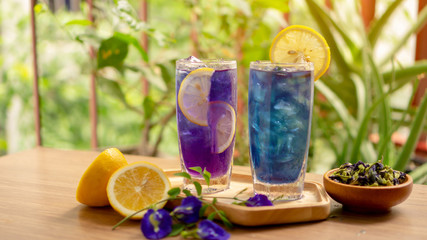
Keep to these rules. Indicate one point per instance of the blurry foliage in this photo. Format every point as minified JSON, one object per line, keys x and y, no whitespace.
{"x":352,"y":101}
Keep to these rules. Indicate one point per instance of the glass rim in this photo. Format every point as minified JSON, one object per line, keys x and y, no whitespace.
{"x":207,"y":60}
{"x":216,"y":64}
{"x":264,"y":63}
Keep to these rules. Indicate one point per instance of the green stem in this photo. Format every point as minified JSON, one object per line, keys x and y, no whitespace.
{"x":144,"y":209}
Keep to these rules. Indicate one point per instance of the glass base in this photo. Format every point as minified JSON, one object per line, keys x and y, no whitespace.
{"x":280,"y":192}
{"x":216,"y":184}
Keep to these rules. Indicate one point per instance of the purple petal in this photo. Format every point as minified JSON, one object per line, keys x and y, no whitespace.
{"x":208,"y":230}
{"x":188,"y":211}
{"x":156,"y":224}
{"x":258,"y":200}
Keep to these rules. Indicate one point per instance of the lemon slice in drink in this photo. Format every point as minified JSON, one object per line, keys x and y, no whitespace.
{"x":137,"y":186}
{"x":298,"y":43}
{"x":193,"y":95}
{"x":222,"y":120}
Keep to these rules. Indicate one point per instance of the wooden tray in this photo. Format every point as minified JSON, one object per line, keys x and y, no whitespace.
{"x":314,"y":206}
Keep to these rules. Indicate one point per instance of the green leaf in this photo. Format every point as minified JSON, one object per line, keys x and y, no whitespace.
{"x":38,"y":8}
{"x":327,"y":18}
{"x":183,"y":174}
{"x":362,"y":129}
{"x":405,"y":74}
{"x":414,"y":135}
{"x":214,"y":200}
{"x":339,"y":107}
{"x":149,"y":107}
{"x":173,"y":192}
{"x":134,"y":42}
{"x":112,"y":88}
{"x":187,"y":192}
{"x":203,"y":210}
{"x":81,"y":22}
{"x":415,"y":27}
{"x":167,"y":76}
{"x":325,"y":28}
{"x":207,"y":176}
{"x":176,"y":229}
{"x":211,"y":216}
{"x":128,"y":14}
{"x":225,"y":220}
{"x":198,"y":188}
{"x":197,"y":169}
{"x":112,"y":52}
{"x":384,"y":115}
{"x":152,"y":77}
{"x":378,"y":25}
{"x":419,"y":173}
{"x":281,"y":5}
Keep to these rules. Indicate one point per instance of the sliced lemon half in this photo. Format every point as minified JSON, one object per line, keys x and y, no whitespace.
{"x":193,"y":95}
{"x":222,"y":120}
{"x":137,"y":186}
{"x":298,"y":43}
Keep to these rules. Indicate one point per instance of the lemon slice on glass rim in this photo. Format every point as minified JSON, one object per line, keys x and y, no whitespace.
{"x":193,"y":95}
{"x":222,"y":119}
{"x":137,"y":186}
{"x":298,"y":43}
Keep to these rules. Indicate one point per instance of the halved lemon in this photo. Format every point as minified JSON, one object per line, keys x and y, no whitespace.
{"x":222,"y":121}
{"x":298,"y":43}
{"x":137,"y":186}
{"x":92,"y":186}
{"x":193,"y":95}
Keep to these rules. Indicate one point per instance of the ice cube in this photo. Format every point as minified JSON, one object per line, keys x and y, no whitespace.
{"x":193,"y":59}
{"x":259,"y":92}
{"x":295,"y":124}
{"x":286,"y":108}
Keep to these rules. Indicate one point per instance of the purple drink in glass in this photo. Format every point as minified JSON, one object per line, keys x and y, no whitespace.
{"x":206,"y":98}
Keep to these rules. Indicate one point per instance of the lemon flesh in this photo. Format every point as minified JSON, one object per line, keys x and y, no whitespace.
{"x":137,"y":186}
{"x":92,"y":186}
{"x":296,"y":44}
{"x":223,"y":125}
{"x":193,"y":95}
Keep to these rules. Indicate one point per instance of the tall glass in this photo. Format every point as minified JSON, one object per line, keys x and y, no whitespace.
{"x":206,"y":93}
{"x":280,"y":110}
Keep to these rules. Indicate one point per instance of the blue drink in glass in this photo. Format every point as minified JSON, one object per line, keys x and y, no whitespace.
{"x":280,"y":110}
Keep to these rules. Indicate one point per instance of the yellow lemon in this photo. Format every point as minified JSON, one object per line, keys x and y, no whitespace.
{"x":298,"y":43}
{"x":193,"y":95}
{"x":92,"y":186}
{"x":137,"y":186}
{"x":222,"y":118}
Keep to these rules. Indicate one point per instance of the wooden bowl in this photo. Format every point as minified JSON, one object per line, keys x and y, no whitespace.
{"x":367,"y":199}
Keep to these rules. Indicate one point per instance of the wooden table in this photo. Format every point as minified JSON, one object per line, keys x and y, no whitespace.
{"x":37,"y":201}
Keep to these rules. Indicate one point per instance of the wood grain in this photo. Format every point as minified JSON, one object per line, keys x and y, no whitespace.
{"x":37,"y":201}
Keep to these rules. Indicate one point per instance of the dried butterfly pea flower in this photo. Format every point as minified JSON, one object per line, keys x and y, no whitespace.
{"x":364,"y":174}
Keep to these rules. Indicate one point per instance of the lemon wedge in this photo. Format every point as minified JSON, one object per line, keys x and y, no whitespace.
{"x":299,"y":43}
{"x":137,"y":186}
{"x":193,"y":95}
{"x":92,"y":186}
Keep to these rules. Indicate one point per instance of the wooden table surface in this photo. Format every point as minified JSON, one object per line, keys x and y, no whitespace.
{"x":37,"y":201}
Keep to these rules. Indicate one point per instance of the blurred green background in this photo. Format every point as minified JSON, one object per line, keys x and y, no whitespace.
{"x":363,"y":100}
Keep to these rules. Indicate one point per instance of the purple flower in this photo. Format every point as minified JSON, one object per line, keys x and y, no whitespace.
{"x":208,"y":230}
{"x":258,"y":200}
{"x":156,"y":224}
{"x":188,"y":211}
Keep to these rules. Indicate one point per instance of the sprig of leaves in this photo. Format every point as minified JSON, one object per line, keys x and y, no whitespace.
{"x":199,"y":205}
